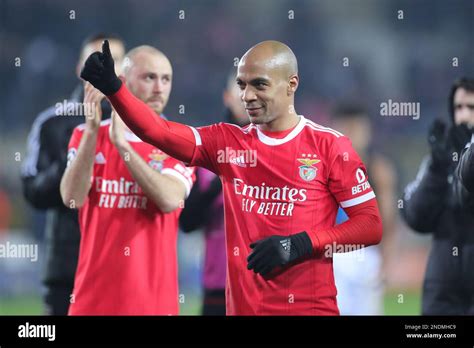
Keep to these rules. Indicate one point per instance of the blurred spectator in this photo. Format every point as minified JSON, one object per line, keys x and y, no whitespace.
{"x":432,"y":205}
{"x":41,"y":175}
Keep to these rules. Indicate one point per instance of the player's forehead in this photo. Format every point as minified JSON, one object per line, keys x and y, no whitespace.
{"x":146,"y":62}
{"x":247,"y":72}
{"x":463,"y":95}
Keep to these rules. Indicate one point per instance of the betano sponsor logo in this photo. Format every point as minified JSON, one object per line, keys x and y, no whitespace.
{"x":363,"y":183}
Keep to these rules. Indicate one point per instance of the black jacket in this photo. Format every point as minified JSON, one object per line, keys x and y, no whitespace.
{"x":433,"y":205}
{"x":465,"y":175}
{"x":41,"y":176}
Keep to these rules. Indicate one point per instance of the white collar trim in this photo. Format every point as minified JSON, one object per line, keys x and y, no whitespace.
{"x":273,"y":141}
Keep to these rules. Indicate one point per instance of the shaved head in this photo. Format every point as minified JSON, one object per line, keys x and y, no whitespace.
{"x":137,"y":54}
{"x":274,"y":55}
{"x":148,"y":74}
{"x":268,"y":79}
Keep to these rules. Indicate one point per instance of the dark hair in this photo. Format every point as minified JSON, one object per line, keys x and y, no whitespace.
{"x":464,"y":83}
{"x":347,"y":110}
{"x":101,"y":37}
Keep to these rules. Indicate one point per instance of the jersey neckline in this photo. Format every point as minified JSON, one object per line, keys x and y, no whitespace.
{"x":267,"y":140}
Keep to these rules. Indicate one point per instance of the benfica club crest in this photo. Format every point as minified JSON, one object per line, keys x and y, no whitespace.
{"x":156,"y":159}
{"x":307,"y":171}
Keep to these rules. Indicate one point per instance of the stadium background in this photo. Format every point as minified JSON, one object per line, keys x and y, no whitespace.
{"x":409,"y":60}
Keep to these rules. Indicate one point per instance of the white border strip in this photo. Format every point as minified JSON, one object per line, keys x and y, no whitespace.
{"x":357,"y":200}
{"x":175,"y":173}
{"x":197,"y":136}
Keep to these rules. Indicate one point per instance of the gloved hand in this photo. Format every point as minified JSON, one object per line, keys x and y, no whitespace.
{"x":99,"y":71}
{"x":458,"y":137}
{"x":441,"y":156}
{"x":274,"y":251}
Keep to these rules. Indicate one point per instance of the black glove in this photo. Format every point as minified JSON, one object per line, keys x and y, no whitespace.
{"x":441,"y":156}
{"x":99,"y":71}
{"x":458,"y":137}
{"x":274,"y":251}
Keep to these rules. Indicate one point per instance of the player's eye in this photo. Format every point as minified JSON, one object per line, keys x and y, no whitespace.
{"x":460,"y":106}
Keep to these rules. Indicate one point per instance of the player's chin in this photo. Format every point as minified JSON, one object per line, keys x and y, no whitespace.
{"x":256,"y":120}
{"x":257,"y":117}
{"x":156,"y":107}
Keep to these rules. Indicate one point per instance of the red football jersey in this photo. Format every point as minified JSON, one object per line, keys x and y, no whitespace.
{"x":128,"y":252}
{"x":281,"y":186}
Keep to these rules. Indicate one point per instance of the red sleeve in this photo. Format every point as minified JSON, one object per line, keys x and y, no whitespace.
{"x":348,"y":180}
{"x":178,"y":169}
{"x":176,"y":139}
{"x":74,"y":143}
{"x":364,"y":228}
{"x":209,"y":146}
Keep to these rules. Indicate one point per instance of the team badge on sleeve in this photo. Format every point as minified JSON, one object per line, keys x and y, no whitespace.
{"x":71,"y":155}
{"x":307,"y":171}
{"x":156,"y":160}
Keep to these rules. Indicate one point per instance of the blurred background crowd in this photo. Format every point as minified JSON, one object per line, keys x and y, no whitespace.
{"x":366,"y":51}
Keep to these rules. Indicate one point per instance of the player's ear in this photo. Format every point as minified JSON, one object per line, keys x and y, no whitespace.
{"x":292,"y":84}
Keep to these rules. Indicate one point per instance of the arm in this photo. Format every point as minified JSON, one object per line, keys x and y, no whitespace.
{"x":166,"y":191}
{"x":76,"y":181}
{"x":364,"y":227}
{"x":423,"y":198}
{"x":175,"y":139}
{"x":44,"y":165}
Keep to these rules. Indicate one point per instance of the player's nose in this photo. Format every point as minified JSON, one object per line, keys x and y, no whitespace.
{"x":158,"y":86}
{"x":248,"y":95}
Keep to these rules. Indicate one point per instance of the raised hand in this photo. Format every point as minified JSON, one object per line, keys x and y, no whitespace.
{"x":99,"y":71}
{"x":117,"y":131}
{"x":92,"y":107}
